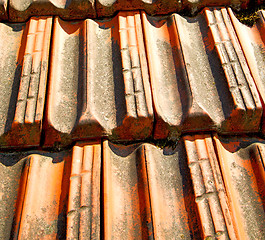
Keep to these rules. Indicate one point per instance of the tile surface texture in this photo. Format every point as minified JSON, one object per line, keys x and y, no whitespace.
{"x":84,"y":103}
{"x":207,"y":187}
{"x":21,"y":10}
{"x":211,"y":87}
{"x":100,"y":74}
{"x":24,"y":69}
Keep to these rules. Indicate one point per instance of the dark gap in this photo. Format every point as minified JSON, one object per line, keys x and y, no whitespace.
{"x":44,"y":122}
{"x":254,"y":155}
{"x":148,"y":69}
{"x":102,"y":230}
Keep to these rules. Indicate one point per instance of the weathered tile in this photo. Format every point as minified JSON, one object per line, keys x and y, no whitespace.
{"x":242,"y":166}
{"x":199,"y":76}
{"x":23,"y":69}
{"x":83,"y":217}
{"x":106,"y":8}
{"x":21,"y":10}
{"x":42,"y":198}
{"x":209,"y":190}
{"x":99,"y":82}
{"x":10,"y":173}
{"x":252,"y":42}
{"x":173,"y":207}
{"x":193,"y":6}
{"x":148,"y":193}
{"x":127,"y":213}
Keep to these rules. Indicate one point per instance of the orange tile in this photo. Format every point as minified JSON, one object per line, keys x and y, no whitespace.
{"x":83,"y":217}
{"x":39,"y":205}
{"x":126,"y":202}
{"x":209,"y":189}
{"x":199,"y":76}
{"x":24,"y":69}
{"x":241,"y":163}
{"x":173,"y":208}
{"x":99,"y":82}
{"x":252,"y":42}
{"x":10,"y":173}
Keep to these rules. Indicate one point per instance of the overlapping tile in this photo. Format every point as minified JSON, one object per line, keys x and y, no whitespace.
{"x":134,"y":202}
{"x":242,"y":166}
{"x":252,"y":42}
{"x":83,"y":215}
{"x":199,"y":76}
{"x":21,"y":10}
{"x":99,"y":81}
{"x":202,"y":189}
{"x":24,"y":69}
{"x":34,"y":190}
{"x":209,"y":190}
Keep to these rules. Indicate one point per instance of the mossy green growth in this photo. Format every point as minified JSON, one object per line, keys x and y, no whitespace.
{"x":250,"y":15}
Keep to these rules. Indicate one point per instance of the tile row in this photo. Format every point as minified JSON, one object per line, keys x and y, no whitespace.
{"x":131,"y":77}
{"x":206,"y":188}
{"x":21,"y":10}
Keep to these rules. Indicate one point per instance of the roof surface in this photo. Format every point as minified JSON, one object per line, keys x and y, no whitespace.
{"x":85,"y":102}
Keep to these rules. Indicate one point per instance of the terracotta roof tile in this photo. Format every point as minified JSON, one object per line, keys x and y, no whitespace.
{"x":83,"y":54}
{"x":10,"y":174}
{"x":21,"y":10}
{"x":206,"y":82}
{"x":205,"y":188}
{"x":209,"y":188}
{"x":138,"y":78}
{"x":243,"y":175}
{"x":41,"y":197}
{"x":210,"y":83}
{"x":83,"y":214}
{"x":24,"y":69}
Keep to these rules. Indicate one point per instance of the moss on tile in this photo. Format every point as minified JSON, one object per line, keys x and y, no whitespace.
{"x":250,"y":16}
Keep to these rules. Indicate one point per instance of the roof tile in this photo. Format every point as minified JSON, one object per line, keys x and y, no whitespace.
{"x":24,"y":69}
{"x":137,"y":191}
{"x":21,"y":10}
{"x":10,"y":174}
{"x":42,"y":196}
{"x":83,"y":215}
{"x":242,"y":166}
{"x":209,"y":188}
{"x":200,"y":79}
{"x":101,"y":77}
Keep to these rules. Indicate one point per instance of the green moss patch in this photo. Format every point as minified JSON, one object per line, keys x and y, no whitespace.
{"x":249,"y":16}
